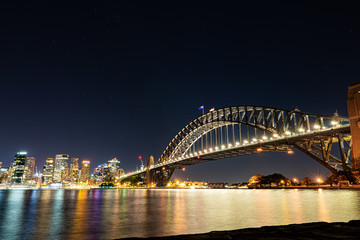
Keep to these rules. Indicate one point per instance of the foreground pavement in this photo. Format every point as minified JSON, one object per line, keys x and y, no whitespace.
{"x":306,"y":231}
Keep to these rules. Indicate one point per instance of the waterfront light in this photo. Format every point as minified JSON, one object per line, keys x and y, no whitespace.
{"x":259,"y":149}
{"x":290,"y":151}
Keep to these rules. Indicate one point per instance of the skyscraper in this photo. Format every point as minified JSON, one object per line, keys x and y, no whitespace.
{"x":18,"y":168}
{"x":74,"y":170}
{"x":84,"y":172}
{"x":114,"y":165}
{"x":48,"y":172}
{"x":29,"y":168}
{"x":61,"y":162}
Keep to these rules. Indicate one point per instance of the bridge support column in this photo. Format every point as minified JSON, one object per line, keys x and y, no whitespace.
{"x":149,"y":174}
{"x":353,"y":104}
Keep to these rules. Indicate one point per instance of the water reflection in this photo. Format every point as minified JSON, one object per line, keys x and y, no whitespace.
{"x":117,"y":213}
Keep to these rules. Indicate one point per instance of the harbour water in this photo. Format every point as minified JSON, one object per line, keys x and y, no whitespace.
{"x":119,"y":213}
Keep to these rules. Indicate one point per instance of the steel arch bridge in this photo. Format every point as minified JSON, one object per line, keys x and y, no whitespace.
{"x":243,"y":130}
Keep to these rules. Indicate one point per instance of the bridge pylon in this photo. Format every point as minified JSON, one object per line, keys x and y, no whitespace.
{"x":353,"y":104}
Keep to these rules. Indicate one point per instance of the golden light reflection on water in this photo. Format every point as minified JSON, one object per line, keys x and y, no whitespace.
{"x":323,"y":210}
{"x":79,"y":221}
{"x":297,"y":206}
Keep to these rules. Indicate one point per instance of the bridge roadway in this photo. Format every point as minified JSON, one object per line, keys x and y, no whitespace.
{"x":275,"y":143}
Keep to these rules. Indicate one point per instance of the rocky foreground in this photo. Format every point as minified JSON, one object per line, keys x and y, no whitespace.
{"x":320,"y":230}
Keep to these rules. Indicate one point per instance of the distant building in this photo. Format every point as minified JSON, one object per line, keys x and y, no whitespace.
{"x":65,"y":174}
{"x":85,"y":170}
{"x":74,"y":170}
{"x":114,"y":165}
{"x":4,"y":173}
{"x":0,"y":165}
{"x":61,"y":162}
{"x":18,"y":168}
{"x":29,"y":168}
{"x":48,"y":172}
{"x":216,"y":185}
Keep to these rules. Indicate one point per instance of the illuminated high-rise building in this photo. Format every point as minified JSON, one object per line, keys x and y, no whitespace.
{"x":84,"y":172}
{"x":114,"y":165}
{"x":48,"y":172}
{"x":65,"y":174}
{"x":29,"y":168}
{"x":74,"y":170}
{"x":61,"y":162}
{"x":18,"y":168}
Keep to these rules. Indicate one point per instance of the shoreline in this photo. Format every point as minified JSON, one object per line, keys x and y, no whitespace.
{"x":315,"y":230}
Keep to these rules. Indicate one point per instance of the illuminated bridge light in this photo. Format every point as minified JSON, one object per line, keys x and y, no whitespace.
{"x":229,"y":145}
{"x":287,"y":132}
{"x":205,"y":150}
{"x":275,"y":135}
{"x":316,"y":126}
{"x":191,"y":154}
{"x":246,"y":142}
{"x":195,"y":153}
{"x":254,"y":140}
{"x":237,"y":143}
{"x":216,"y":148}
{"x":334,"y":123}
{"x":222,"y":146}
{"x":264,"y":137}
{"x":210,"y":149}
{"x":301,"y":130}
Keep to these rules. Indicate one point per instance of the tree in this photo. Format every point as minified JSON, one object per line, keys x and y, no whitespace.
{"x":255,"y":180}
{"x":306,"y":181}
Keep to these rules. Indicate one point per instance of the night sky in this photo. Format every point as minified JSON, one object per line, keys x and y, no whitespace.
{"x":106,"y":79}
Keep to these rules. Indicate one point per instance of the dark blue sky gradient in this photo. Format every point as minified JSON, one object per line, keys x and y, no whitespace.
{"x":119,"y":79}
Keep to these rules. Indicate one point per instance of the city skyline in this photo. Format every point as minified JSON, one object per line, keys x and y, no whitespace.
{"x":121,"y":80}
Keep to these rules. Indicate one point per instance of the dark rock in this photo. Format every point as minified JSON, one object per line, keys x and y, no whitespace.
{"x":306,"y":231}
